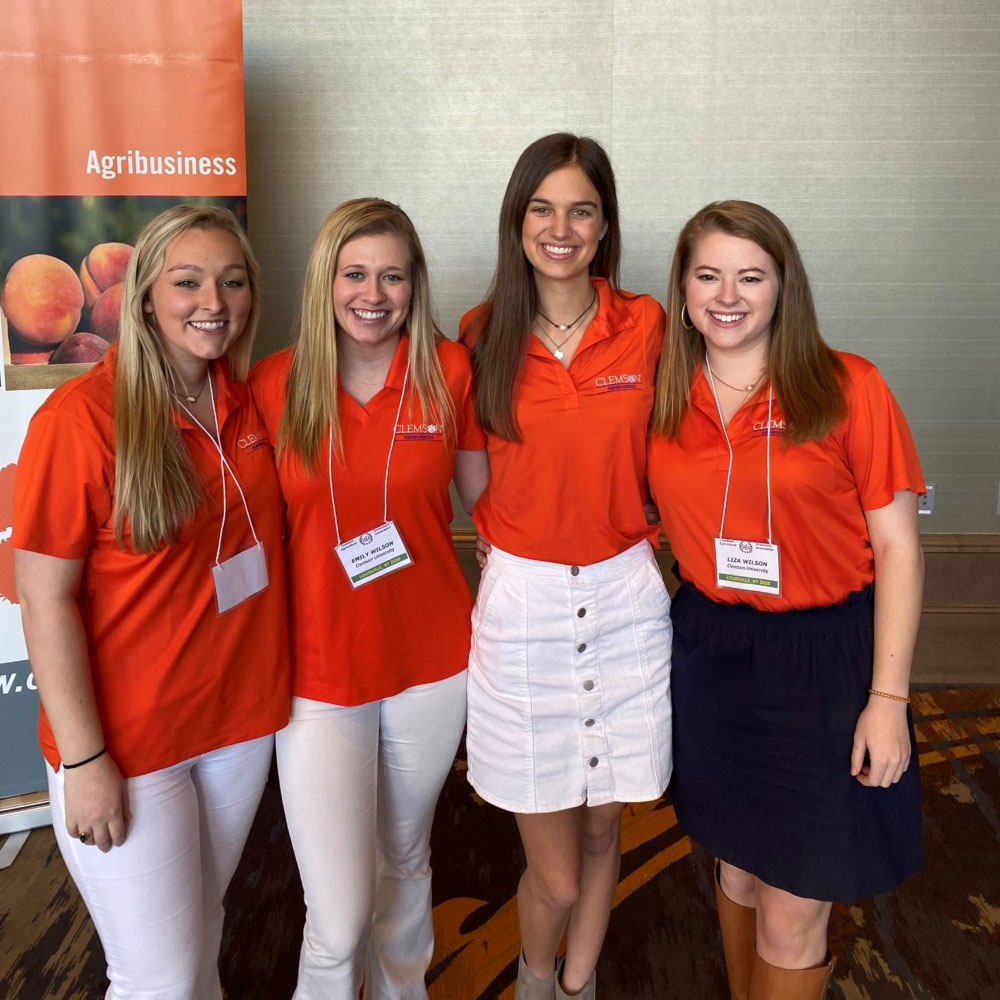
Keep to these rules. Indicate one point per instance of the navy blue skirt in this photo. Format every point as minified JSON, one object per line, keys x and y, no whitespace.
{"x":765,"y":706}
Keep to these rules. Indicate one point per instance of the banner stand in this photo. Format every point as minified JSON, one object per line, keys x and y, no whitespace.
{"x":19,"y":815}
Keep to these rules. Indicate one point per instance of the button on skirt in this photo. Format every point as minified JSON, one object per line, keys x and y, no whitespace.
{"x":569,"y":683}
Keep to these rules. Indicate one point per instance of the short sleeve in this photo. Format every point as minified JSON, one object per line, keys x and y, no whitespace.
{"x":469,"y":436}
{"x":62,"y":486}
{"x":657,"y":325}
{"x":267,"y":382}
{"x":880,"y":448}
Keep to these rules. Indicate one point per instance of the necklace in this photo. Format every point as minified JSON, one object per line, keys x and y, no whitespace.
{"x":361,"y":381}
{"x":736,"y":388}
{"x":563,"y":327}
{"x":186,"y":394}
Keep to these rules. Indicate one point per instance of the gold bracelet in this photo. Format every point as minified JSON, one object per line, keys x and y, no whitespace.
{"x":891,"y":697}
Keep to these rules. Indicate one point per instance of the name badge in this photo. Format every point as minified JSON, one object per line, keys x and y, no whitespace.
{"x":742,"y":565}
{"x":240,"y":577}
{"x":373,"y":554}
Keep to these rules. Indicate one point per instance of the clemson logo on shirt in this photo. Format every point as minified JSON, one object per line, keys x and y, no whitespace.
{"x":615,"y":383}
{"x":419,"y":432}
{"x":253,"y":440}
{"x":759,"y":428}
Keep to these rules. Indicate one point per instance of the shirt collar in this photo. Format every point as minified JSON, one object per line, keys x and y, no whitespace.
{"x":397,"y":368}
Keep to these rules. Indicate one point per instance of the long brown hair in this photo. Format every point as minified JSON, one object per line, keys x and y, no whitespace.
{"x":804,"y":372}
{"x":503,"y":323}
{"x":311,"y":400}
{"x":156,"y":486}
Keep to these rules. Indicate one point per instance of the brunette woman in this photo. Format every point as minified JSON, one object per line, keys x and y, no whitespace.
{"x":147,"y":524}
{"x":569,"y":710}
{"x":787,"y":482}
{"x":372,"y":412}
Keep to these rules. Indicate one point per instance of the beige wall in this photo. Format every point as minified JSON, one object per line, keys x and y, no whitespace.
{"x":871,"y":126}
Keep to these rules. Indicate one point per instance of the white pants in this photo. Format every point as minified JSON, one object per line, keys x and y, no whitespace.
{"x":157,"y":900}
{"x":359,"y":786}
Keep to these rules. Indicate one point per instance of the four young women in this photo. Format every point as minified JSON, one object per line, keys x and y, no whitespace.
{"x":786,"y":480}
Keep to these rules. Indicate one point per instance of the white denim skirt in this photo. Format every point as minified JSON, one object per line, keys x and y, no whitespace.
{"x":569,"y":682}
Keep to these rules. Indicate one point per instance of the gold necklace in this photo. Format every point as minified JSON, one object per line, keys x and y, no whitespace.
{"x":186,"y":394}
{"x":736,"y":388}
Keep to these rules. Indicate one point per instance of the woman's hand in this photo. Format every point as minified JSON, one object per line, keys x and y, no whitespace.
{"x":483,"y":549}
{"x":882,"y":733}
{"x":652,"y":514}
{"x":97,"y":803}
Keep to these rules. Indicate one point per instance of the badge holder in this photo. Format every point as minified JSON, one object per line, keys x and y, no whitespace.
{"x":372,"y":554}
{"x":240,"y":576}
{"x":739,"y":563}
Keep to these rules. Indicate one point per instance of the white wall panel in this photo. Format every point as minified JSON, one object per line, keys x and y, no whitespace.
{"x":872,"y":128}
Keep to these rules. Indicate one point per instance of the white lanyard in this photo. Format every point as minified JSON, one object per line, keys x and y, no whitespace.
{"x":224,"y":467}
{"x":385,"y":489}
{"x":729,"y":471}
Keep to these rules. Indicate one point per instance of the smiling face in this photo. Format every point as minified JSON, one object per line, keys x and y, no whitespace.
{"x":200,"y":300}
{"x":563,"y":225}
{"x":731,"y":290}
{"x":372,"y":288}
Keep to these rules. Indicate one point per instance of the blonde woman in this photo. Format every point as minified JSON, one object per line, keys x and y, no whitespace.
{"x":373,"y":416}
{"x":147,"y":529}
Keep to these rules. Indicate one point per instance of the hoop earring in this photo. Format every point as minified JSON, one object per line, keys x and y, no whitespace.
{"x":684,"y":313}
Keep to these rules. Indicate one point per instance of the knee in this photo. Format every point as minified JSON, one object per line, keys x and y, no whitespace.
{"x":598,"y":840}
{"x":335,"y":942}
{"x":737,"y":885}
{"x":791,"y":933}
{"x":556,"y":891}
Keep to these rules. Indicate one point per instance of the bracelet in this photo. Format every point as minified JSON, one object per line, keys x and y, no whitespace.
{"x":891,"y":697}
{"x":80,"y":763}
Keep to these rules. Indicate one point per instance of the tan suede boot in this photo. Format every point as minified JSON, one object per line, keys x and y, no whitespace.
{"x":768,"y":982}
{"x":589,"y":991}
{"x":530,"y":987}
{"x":739,"y":940}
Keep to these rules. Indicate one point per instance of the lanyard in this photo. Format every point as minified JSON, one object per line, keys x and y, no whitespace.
{"x":385,"y":489}
{"x":224,"y":467}
{"x":729,"y":471}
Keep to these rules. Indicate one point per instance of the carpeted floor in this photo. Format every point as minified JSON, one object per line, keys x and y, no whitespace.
{"x":936,"y":938}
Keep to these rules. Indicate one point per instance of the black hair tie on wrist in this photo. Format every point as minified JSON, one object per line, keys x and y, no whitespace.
{"x":80,"y":763}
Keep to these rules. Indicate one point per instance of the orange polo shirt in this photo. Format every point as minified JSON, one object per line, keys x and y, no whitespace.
{"x":411,"y":626}
{"x":173,"y":678}
{"x":572,"y":490}
{"x":820,"y":490}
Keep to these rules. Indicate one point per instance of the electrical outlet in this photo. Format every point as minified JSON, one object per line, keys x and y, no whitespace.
{"x":925,"y":501}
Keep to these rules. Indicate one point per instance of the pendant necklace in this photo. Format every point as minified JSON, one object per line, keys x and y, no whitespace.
{"x":563,"y":327}
{"x":186,"y":394}
{"x":737,"y":388}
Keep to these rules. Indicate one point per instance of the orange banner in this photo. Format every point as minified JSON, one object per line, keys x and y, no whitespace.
{"x":105,"y":97}
{"x":110,"y":112}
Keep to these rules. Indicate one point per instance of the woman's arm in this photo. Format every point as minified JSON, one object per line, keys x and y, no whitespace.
{"x":472,"y":473}
{"x":96,"y":802}
{"x":899,"y":587}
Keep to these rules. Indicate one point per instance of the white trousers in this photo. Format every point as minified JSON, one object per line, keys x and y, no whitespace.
{"x":359,"y":786}
{"x":157,"y":900}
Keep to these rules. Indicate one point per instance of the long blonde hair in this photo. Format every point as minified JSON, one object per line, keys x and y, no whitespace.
{"x":805,"y":372}
{"x":156,"y":487}
{"x":311,"y":392}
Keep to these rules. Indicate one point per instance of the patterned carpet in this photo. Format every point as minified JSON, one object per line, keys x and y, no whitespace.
{"x":936,"y":938}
